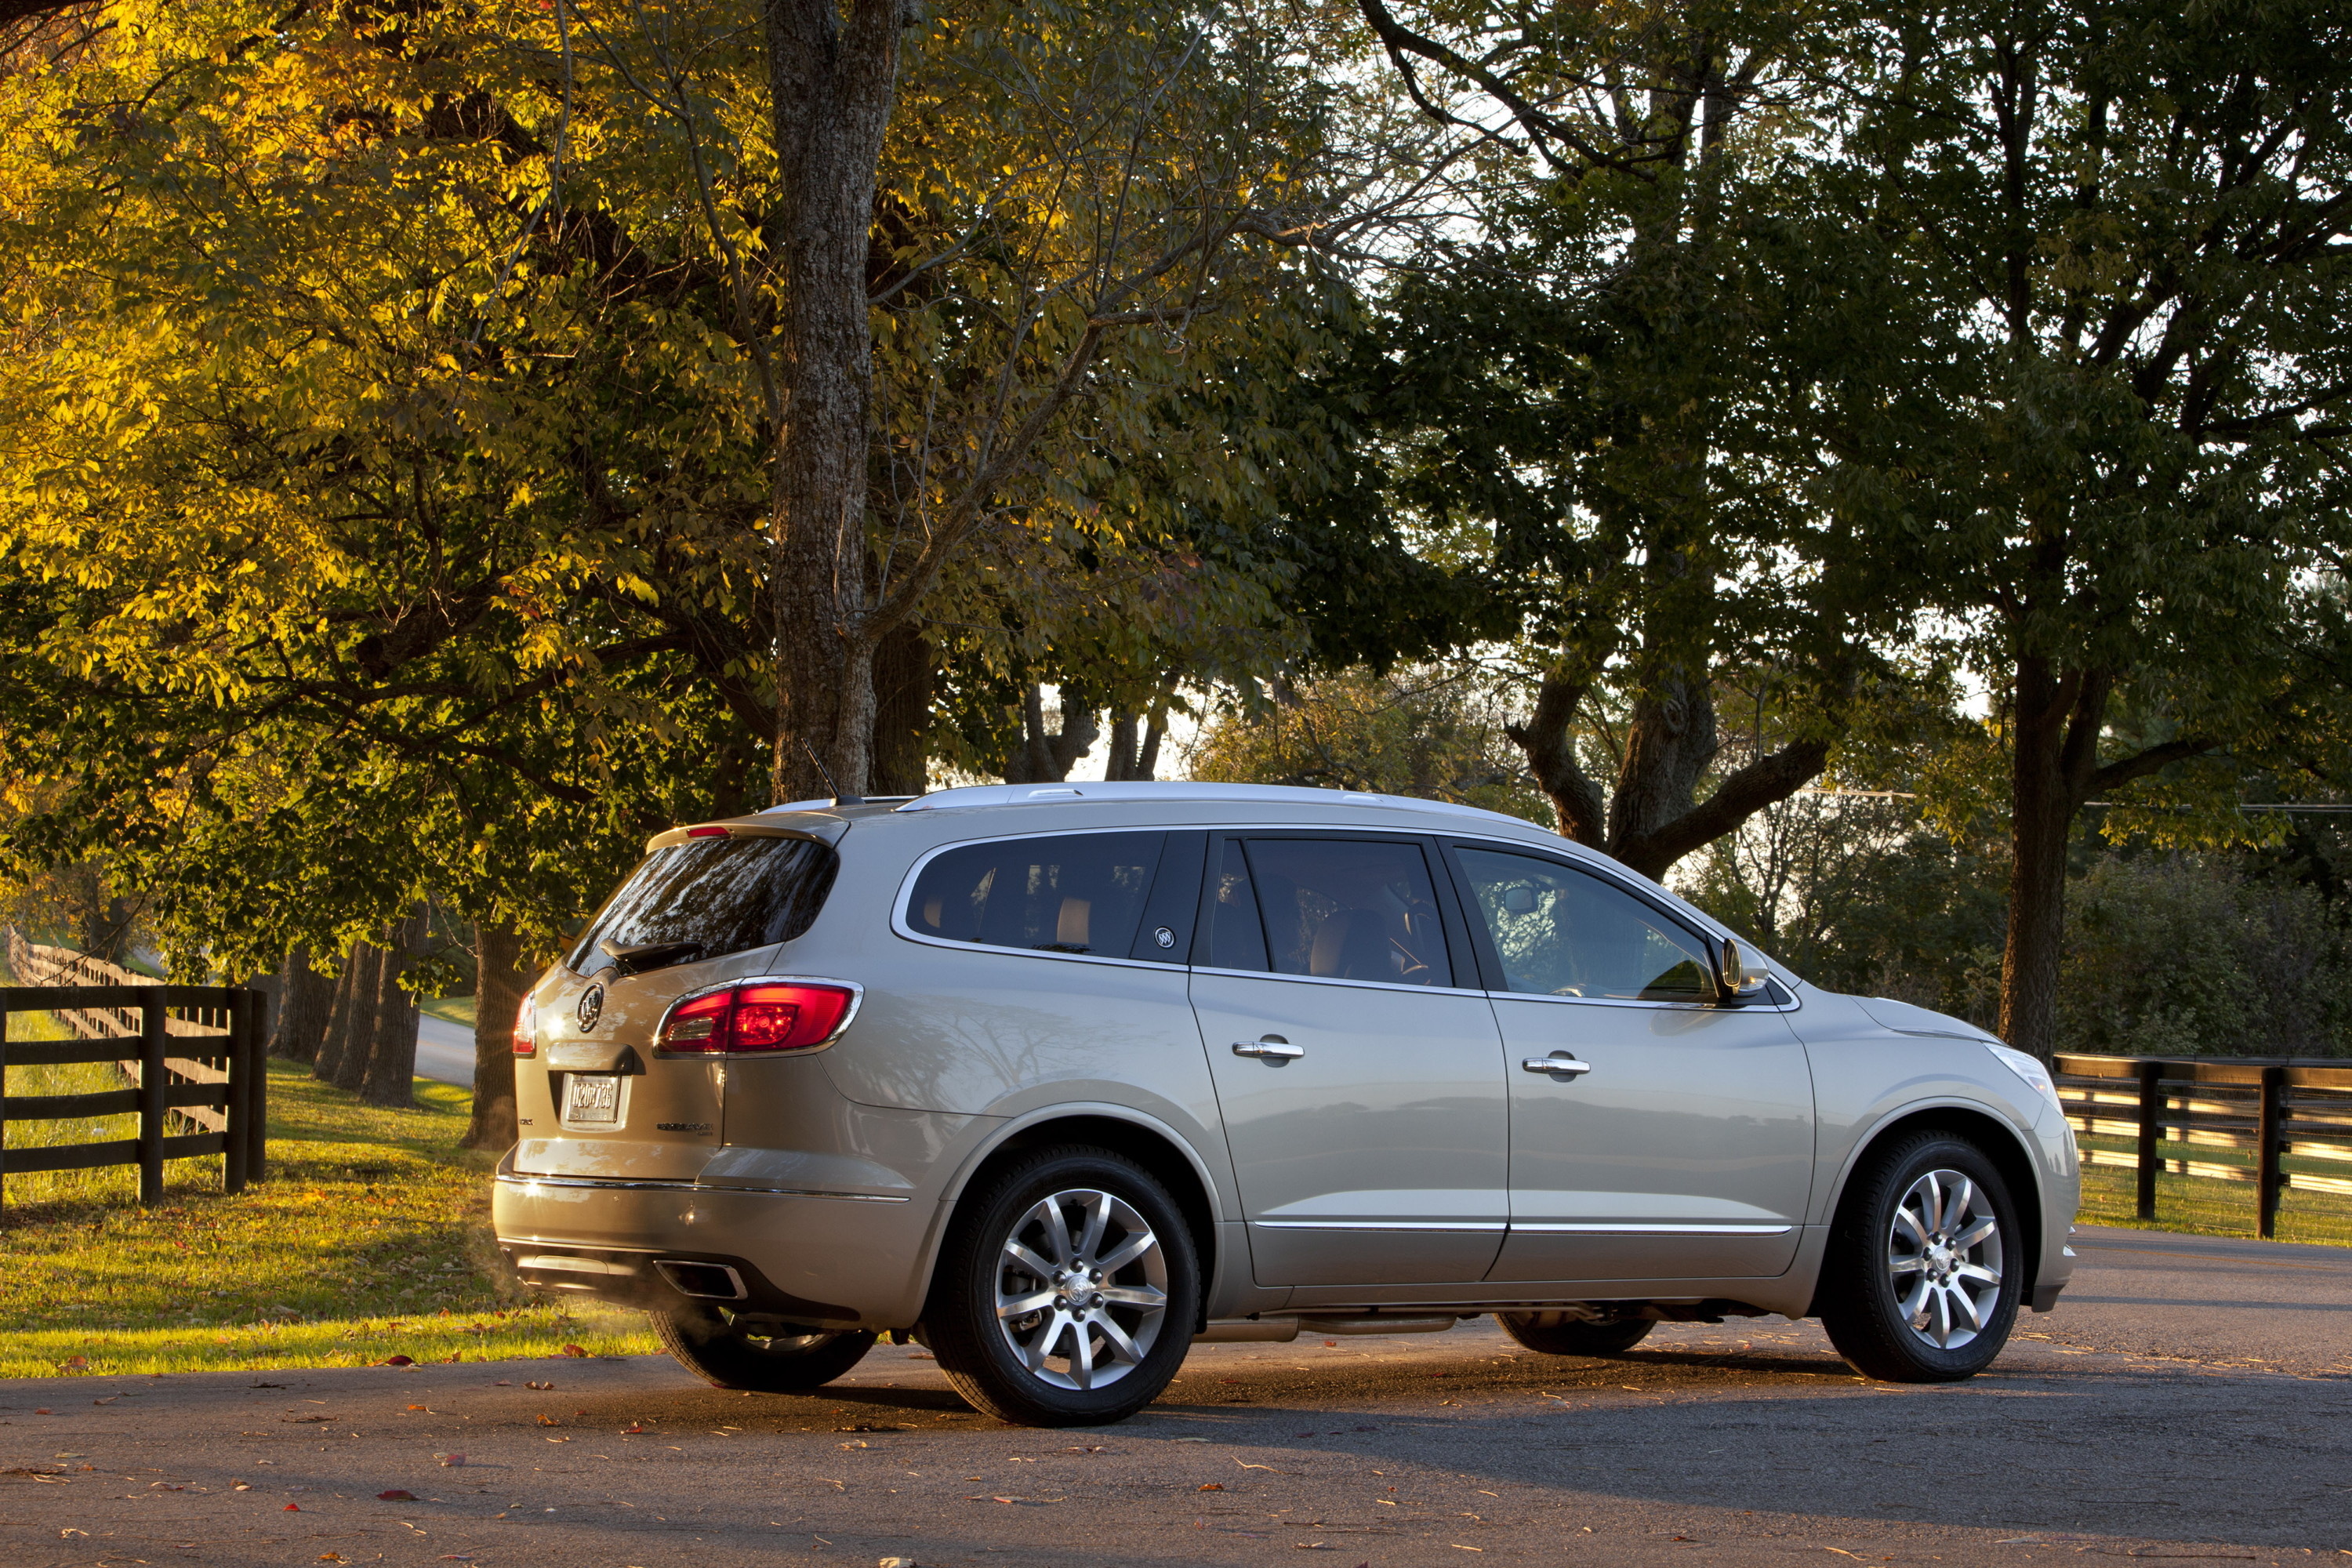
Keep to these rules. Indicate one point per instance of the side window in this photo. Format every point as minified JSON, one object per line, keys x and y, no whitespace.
{"x":1079,"y":892}
{"x":1233,"y":937}
{"x":1560,"y":933}
{"x":1350,"y":909}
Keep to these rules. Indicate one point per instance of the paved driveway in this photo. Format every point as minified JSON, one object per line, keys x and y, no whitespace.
{"x":2193,"y":1400}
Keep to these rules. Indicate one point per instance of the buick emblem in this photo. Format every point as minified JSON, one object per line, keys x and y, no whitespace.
{"x":592,"y":1007}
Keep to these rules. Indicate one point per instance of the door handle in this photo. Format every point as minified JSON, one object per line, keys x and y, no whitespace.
{"x":1274,"y":1046}
{"x":1560,"y":1064}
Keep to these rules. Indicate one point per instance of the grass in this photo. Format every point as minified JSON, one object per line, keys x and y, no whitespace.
{"x":452,"y":1009}
{"x":2203,"y":1206}
{"x":368,"y":1239}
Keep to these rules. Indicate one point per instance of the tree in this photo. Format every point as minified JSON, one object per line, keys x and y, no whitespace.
{"x":1602,"y":409}
{"x":2122,"y":230}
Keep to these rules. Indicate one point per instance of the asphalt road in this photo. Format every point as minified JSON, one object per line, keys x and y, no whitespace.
{"x":2191,"y":1398}
{"x":445,"y":1052}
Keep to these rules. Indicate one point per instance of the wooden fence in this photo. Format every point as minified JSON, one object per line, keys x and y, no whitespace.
{"x":190,"y":1058}
{"x":2172,"y":1107}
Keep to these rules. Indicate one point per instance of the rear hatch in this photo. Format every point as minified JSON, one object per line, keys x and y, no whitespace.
{"x":706,"y":906}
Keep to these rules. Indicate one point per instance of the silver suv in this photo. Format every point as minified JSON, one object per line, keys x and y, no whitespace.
{"x":1059,"y":1081}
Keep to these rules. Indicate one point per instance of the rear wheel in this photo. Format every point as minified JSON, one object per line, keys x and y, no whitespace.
{"x":725,"y":1352}
{"x":1555,"y":1333}
{"x":1922,"y":1277}
{"x":1067,"y":1290}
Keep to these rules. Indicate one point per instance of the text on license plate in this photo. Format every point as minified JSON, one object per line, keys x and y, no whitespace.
{"x":592,"y":1097}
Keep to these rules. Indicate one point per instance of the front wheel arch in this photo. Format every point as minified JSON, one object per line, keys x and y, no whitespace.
{"x":1999,"y":1144}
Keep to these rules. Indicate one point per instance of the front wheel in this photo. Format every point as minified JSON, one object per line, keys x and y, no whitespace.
{"x":1550,"y":1333}
{"x":1067,"y":1290}
{"x":725,"y":1355}
{"x":1924,"y":1267}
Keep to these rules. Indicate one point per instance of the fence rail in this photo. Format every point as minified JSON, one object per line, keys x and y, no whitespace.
{"x":2171,"y":1106}
{"x":194,"y":1057}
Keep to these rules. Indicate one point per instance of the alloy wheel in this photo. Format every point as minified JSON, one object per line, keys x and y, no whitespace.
{"x":1943,"y":1257}
{"x":1081,"y":1289}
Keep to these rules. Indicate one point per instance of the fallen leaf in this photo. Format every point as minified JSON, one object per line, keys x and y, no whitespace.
{"x":447,"y":1460}
{"x":1210,"y":1487}
{"x":293,"y":1508}
{"x":548,"y":1421}
{"x":534,"y":1385}
{"x":393,"y":1360}
{"x":397,"y":1495}
{"x":573,"y":1351}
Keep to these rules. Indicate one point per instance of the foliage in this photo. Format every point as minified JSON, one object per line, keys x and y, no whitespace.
{"x":2183,"y":954}
{"x":382,"y":503}
{"x":1436,"y":733}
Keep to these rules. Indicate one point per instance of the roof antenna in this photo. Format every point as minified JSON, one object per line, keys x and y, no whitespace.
{"x":827,"y":775}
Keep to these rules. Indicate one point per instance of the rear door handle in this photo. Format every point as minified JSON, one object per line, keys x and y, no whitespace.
{"x":1560,"y":1064}
{"x":1274,"y":1046}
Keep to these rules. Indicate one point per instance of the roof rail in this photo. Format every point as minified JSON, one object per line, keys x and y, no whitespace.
{"x":972,"y":795}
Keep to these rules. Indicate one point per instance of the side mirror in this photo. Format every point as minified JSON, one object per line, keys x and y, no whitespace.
{"x":1740,"y":974}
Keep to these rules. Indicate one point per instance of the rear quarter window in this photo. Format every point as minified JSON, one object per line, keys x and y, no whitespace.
{"x":1080,"y":892}
{"x":721,"y":895}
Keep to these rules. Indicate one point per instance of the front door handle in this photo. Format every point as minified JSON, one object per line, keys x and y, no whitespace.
{"x":1560,"y":1064}
{"x":1273,"y":1047}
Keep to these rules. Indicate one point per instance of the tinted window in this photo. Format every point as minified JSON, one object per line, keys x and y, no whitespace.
{"x":1235,"y":938}
{"x":721,"y":895}
{"x":1081,"y":892}
{"x":1560,"y":933}
{"x":1350,"y":909}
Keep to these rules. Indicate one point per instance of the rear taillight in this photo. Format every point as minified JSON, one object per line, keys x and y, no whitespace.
{"x":526,"y":1027}
{"x":758,"y":1015}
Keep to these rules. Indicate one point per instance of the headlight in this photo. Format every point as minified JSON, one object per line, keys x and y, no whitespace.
{"x":2036,"y":1076}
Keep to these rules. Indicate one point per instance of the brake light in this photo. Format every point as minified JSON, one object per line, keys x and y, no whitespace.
{"x":526,"y":1026}
{"x":758,"y":1015}
{"x":706,"y":833}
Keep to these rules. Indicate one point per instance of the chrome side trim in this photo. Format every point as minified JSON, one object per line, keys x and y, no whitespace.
{"x":524,"y":1179}
{"x":1651,"y":1227}
{"x":1467,"y":1225}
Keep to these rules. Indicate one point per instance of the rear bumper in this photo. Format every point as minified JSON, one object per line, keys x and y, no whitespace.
{"x":832,"y":1260}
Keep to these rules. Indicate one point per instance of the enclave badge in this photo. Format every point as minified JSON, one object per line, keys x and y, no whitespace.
{"x":591,"y":1006}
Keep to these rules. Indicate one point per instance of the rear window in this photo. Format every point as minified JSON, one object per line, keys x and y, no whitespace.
{"x":1080,"y":892}
{"x":721,"y":895}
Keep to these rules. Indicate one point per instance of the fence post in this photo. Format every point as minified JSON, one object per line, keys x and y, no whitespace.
{"x":2272,"y":1133}
{"x":4,"y":1017}
{"x":2151,"y":1118}
{"x":150,"y":1101}
{"x":240,"y":1080}
{"x":256,"y":1131}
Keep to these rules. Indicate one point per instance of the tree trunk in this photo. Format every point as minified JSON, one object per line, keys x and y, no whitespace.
{"x":832,"y":72}
{"x":2055,"y":721}
{"x":386,"y":1073}
{"x":305,"y":1001}
{"x":349,"y":1021}
{"x":902,"y":714}
{"x":1047,"y":757}
{"x":498,"y":986}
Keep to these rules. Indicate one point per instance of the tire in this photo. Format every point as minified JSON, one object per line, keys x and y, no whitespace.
{"x":1925,"y":1263}
{"x":1095,"y":1345}
{"x":707,"y":1344}
{"x":1610,"y":1336}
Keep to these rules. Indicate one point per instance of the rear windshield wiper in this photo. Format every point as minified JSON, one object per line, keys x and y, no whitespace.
{"x":648,"y":955}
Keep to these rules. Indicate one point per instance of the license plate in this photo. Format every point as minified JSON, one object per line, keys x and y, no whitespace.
{"x":592,"y":1097}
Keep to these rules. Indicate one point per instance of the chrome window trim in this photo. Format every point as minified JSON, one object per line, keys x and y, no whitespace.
{"x":623,"y":1184}
{"x":1572,"y":855}
{"x":856,"y":1000}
